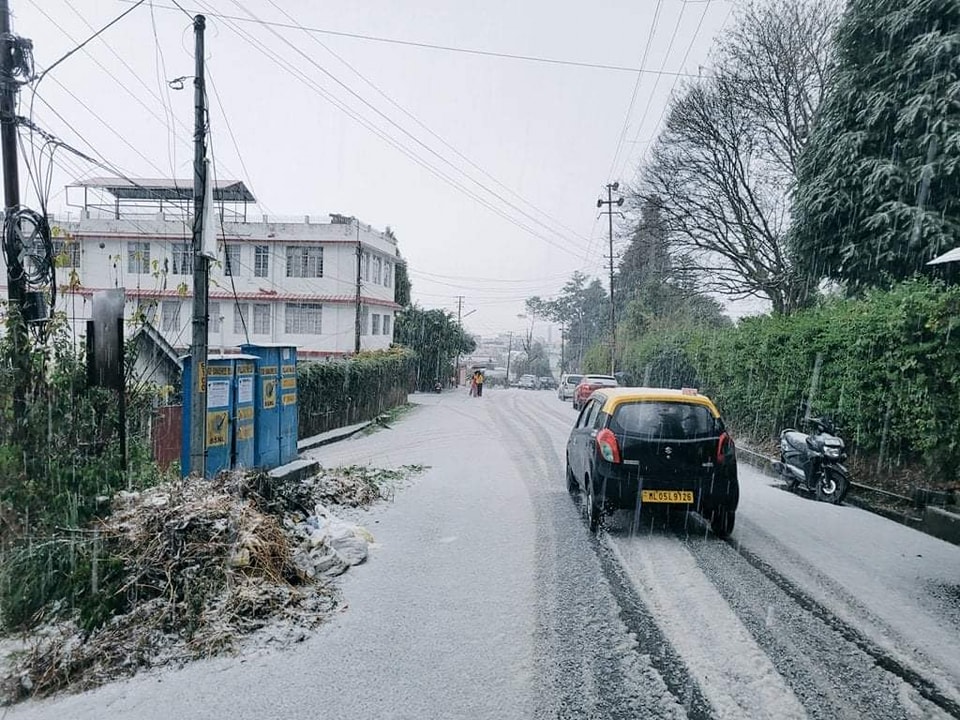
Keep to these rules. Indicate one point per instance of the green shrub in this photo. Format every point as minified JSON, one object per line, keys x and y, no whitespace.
{"x":889,"y":370}
{"x":342,"y":392}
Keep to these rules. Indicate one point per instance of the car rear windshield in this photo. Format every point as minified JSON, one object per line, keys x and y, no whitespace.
{"x":574,"y":379}
{"x":673,"y":420}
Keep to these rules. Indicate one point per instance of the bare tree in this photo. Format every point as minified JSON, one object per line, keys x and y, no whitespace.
{"x":722,"y":170}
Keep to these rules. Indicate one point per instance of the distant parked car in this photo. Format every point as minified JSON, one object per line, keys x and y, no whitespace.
{"x":589,"y":383}
{"x":528,"y":382}
{"x":547,"y":383}
{"x":568,"y":385}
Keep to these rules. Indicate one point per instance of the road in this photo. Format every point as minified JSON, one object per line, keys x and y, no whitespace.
{"x":486,"y":597}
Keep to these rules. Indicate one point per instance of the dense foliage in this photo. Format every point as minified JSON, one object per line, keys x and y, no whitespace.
{"x":889,"y":370}
{"x":583,"y":310}
{"x":878,"y":189}
{"x":342,"y":392}
{"x":59,"y":466}
{"x":437,"y":340}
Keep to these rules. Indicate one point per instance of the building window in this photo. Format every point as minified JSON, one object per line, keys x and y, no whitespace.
{"x":261,"y":261}
{"x":366,"y":266}
{"x":182,"y":259}
{"x":231,"y":266}
{"x":387,"y":274}
{"x":375,"y":324}
{"x":138,"y":258}
{"x":303,"y":318}
{"x":364,"y":316}
{"x":304,"y":261}
{"x":377,"y":271}
{"x":215,"y":318}
{"x":241,"y":317}
{"x":261,"y":319}
{"x":67,"y":253}
{"x":386,"y":325}
{"x":170,"y":315}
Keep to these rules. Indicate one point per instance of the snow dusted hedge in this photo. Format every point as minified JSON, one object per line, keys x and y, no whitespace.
{"x":889,"y":370}
{"x":342,"y":392}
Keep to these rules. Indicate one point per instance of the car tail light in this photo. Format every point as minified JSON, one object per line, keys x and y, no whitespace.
{"x":724,"y":447}
{"x":608,"y":445}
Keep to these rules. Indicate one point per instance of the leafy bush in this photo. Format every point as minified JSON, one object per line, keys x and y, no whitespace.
{"x":889,"y":370}
{"x":342,"y":392}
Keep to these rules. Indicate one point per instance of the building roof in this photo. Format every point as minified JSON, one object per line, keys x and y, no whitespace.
{"x":166,"y":189}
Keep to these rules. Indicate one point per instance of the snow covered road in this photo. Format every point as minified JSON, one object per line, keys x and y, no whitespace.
{"x":486,"y":597}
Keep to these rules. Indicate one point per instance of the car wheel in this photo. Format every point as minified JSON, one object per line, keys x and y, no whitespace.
{"x":573,"y":487}
{"x":594,"y":511}
{"x":722,"y":522}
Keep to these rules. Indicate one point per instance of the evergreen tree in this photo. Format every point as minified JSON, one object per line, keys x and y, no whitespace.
{"x":878,"y":189}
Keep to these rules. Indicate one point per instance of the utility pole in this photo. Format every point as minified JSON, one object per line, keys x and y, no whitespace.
{"x":201,"y":266}
{"x":562,"y":328}
{"x":610,"y":202}
{"x":358,"y":330}
{"x":460,"y":338}
{"x":509,"y":352}
{"x":16,"y":284}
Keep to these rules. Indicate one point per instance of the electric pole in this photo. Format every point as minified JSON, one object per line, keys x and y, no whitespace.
{"x":201,"y":267}
{"x":509,"y":352}
{"x":358,"y":330}
{"x":16,"y":284}
{"x":610,"y":202}
{"x":460,"y":337}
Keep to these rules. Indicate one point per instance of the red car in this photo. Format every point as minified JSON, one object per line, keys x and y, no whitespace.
{"x":587,"y":385}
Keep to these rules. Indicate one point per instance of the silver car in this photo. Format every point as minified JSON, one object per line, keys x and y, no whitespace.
{"x":568,"y":384}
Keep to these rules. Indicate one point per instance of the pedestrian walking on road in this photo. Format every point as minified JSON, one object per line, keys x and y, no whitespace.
{"x":479,"y":383}
{"x":473,"y":385}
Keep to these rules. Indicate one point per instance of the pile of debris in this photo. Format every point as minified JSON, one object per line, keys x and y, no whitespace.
{"x":190,"y":567}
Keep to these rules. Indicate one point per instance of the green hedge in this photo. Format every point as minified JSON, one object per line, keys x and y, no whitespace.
{"x":342,"y":392}
{"x":889,"y":370}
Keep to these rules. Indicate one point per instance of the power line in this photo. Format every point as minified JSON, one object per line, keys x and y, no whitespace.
{"x":636,"y":87}
{"x":398,"y":126}
{"x":306,"y":80}
{"x":413,"y":117}
{"x":430,"y":46}
{"x":95,"y":35}
{"x":656,"y":84}
{"x":683,"y":62}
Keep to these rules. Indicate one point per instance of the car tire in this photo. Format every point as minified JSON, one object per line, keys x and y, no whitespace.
{"x":594,"y":511}
{"x":722,"y":522}
{"x":573,"y":487}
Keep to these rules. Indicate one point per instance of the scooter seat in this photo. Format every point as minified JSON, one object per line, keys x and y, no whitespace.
{"x":795,"y":439}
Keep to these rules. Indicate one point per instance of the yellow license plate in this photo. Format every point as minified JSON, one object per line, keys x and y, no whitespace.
{"x":667,"y":496}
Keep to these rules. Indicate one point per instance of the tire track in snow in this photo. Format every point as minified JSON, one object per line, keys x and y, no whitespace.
{"x":654,"y":670}
{"x":737,"y":676}
{"x":831,"y":676}
{"x":857,"y":642}
{"x":587,"y":661}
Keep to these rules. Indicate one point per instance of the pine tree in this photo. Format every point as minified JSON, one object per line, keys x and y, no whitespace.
{"x":878,"y":189}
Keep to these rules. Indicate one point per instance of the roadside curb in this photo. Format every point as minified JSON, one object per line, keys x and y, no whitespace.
{"x":295,"y":471}
{"x":937,"y":522}
{"x":332,"y":436}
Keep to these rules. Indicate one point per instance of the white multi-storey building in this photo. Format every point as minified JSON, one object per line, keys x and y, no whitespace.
{"x":289,"y":282}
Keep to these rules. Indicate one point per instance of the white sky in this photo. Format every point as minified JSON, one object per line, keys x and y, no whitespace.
{"x":545,"y":133}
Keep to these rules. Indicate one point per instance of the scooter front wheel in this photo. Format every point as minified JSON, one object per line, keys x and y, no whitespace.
{"x":831,"y":487}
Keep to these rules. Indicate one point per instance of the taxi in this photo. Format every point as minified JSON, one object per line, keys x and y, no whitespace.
{"x":635,"y":446}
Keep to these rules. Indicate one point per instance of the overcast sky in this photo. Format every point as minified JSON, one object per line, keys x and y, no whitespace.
{"x":520,"y":150}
